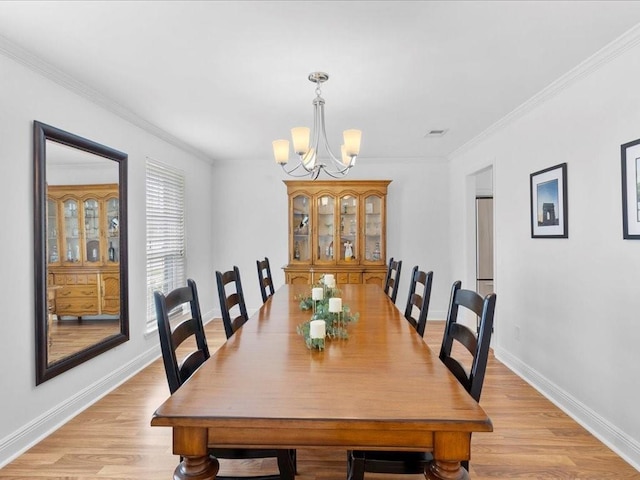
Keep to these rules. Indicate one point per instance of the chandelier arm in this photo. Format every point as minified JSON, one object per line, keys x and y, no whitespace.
{"x":315,"y":140}
{"x":324,"y":137}
{"x":336,"y":174}
{"x":300,"y":175}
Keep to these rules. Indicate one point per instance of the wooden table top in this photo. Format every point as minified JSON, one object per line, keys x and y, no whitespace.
{"x":382,"y":387}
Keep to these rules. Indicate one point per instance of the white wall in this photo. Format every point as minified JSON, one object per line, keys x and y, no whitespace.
{"x":575,"y":301}
{"x":29,"y":412}
{"x":251,"y":221}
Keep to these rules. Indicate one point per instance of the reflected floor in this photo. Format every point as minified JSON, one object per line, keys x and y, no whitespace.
{"x":67,"y":337}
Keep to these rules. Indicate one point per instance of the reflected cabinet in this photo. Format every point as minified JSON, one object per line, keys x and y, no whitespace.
{"x":337,"y":227}
{"x":83,"y":250}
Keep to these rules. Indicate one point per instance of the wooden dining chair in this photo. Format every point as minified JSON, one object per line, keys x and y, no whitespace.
{"x":392,"y":279}
{"x":231,"y":300}
{"x":418,"y":299}
{"x":471,"y":376}
{"x":178,"y":371}
{"x":265,"y":279}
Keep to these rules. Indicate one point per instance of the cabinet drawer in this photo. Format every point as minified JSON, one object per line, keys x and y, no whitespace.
{"x":301,"y":278}
{"x":77,"y":306}
{"x":111,"y":306}
{"x":88,"y":291}
{"x":345,"y":278}
{"x":374,"y":278}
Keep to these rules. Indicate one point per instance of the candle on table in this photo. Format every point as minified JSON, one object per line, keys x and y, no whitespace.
{"x":317,"y":293}
{"x":335,"y":305}
{"x":317,"y":329}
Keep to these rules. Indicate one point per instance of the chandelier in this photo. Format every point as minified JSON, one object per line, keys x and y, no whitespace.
{"x":306,"y":144}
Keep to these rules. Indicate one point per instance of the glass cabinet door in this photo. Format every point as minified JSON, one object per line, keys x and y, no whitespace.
{"x":300,"y":223}
{"x":53,"y":248}
{"x":71,"y":232}
{"x":325,"y":240}
{"x":113,"y":230}
{"x":93,"y":252}
{"x":373,"y":234}
{"x":348,"y":228}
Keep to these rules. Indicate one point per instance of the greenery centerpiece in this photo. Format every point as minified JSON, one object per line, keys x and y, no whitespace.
{"x":326,"y":304}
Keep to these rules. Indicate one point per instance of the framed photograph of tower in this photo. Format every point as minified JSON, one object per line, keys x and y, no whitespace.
{"x":549,"y":203}
{"x":630,"y":153}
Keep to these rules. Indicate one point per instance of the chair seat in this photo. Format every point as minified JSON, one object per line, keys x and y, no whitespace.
{"x":240,"y":453}
{"x":392,"y":461}
{"x":216,"y":458}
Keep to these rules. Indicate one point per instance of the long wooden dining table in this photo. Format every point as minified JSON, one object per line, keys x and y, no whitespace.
{"x":381,"y":388}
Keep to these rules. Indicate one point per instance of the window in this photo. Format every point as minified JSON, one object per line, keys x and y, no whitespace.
{"x":165,"y":233}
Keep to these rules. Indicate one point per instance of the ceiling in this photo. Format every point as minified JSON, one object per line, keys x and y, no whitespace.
{"x":225,"y":78}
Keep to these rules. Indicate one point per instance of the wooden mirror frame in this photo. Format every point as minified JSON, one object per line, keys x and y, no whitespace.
{"x":42,"y":133}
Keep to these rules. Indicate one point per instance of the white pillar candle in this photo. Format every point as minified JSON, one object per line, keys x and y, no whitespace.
{"x":317,"y":329}
{"x":335,"y":305}
{"x":317,"y":293}
{"x":330,"y":280}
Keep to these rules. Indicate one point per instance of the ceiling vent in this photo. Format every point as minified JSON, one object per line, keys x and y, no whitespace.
{"x":435,"y":133}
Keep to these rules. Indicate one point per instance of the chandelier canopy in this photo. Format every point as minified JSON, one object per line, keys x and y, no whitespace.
{"x":306,"y":144}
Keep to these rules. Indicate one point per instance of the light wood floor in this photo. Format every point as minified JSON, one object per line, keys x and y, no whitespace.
{"x":70,"y":336}
{"x":532,"y":439}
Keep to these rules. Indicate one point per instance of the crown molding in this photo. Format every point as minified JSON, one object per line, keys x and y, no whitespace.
{"x":39,"y":66}
{"x":617,"y":47}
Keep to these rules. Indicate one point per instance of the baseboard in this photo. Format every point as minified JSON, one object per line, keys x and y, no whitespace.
{"x":437,"y":315}
{"x":33,"y":432}
{"x":625,"y":446}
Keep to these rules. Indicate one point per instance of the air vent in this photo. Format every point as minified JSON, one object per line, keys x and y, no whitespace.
{"x":435,"y":133}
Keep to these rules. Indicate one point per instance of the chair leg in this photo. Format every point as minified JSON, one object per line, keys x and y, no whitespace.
{"x":286,"y":465}
{"x":355,"y":467}
{"x":294,"y":460}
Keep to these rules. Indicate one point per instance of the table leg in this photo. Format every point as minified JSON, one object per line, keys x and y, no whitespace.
{"x":191,"y":445}
{"x":441,"y":470}
{"x":449,"y":449}
{"x":196,"y":468}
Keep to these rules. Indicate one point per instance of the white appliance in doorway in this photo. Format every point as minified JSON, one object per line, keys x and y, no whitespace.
{"x":484,"y":245}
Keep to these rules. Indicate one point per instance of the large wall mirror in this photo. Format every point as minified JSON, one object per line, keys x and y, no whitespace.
{"x":80,"y":231}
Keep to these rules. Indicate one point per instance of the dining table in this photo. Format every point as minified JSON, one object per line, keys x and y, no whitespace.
{"x":381,"y":388}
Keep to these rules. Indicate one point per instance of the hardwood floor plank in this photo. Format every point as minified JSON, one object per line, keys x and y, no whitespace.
{"x":112,"y":440}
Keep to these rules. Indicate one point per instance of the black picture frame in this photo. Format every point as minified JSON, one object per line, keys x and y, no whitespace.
{"x":630,"y":159}
{"x":549,"y":205}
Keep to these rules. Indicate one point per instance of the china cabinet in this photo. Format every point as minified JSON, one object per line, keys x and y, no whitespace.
{"x":337,"y":227}
{"x":83,"y":249}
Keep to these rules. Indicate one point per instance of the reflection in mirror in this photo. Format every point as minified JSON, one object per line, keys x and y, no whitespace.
{"x":81,"y":255}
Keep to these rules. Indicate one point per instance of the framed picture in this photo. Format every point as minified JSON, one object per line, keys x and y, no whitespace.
{"x":549,"y":203}
{"x":630,"y":153}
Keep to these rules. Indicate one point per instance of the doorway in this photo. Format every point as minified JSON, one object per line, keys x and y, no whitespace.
{"x":484,"y":231}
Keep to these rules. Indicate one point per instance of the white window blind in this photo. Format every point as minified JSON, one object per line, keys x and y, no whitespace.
{"x":165,"y":233}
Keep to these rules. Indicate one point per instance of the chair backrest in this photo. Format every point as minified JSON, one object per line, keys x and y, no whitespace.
{"x":231,"y":300}
{"x":264,"y":277}
{"x":478,"y":346}
{"x":392,"y":279}
{"x":418,"y":299}
{"x":178,"y":371}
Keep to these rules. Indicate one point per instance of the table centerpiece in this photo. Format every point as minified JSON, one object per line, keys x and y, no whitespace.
{"x":329,"y":318}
